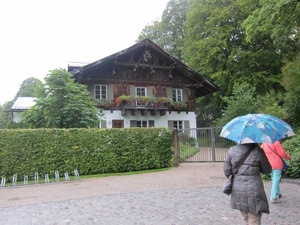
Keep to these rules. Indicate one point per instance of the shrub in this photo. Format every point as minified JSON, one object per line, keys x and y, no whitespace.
{"x":90,"y":151}
{"x":186,"y":138}
{"x":292,"y":146}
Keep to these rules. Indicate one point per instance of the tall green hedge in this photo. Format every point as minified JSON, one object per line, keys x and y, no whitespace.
{"x":292,"y":146}
{"x":90,"y":151}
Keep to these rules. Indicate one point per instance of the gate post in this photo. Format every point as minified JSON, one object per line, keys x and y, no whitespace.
{"x":213,"y":141}
{"x":176,"y":147}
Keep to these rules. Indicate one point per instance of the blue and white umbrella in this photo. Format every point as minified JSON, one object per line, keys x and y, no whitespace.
{"x":256,"y":128}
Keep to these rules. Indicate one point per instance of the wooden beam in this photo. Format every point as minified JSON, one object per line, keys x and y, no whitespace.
{"x":143,"y":65}
{"x":199,"y":84}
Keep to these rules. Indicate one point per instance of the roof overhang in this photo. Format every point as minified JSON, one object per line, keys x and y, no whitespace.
{"x":202,"y":84}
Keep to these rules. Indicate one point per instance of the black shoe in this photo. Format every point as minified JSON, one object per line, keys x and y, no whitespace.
{"x":279,"y":196}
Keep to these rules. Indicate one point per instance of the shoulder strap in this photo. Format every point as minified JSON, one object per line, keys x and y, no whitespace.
{"x":273,"y":150}
{"x":242,"y":161}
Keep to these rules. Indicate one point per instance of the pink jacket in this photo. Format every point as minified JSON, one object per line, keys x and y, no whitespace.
{"x":273,"y":158}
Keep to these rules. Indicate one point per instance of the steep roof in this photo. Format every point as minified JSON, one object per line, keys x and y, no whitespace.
{"x":23,"y":103}
{"x":203,"y":85}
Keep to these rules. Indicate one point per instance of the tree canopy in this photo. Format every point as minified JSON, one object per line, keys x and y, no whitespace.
{"x":291,"y":82}
{"x":244,"y":100}
{"x":62,"y":103}
{"x":279,"y":18}
{"x":217,"y":47}
{"x":234,"y":43}
{"x":26,"y":89}
{"x":5,"y":116}
{"x":169,"y":33}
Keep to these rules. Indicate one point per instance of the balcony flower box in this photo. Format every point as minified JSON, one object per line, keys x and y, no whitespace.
{"x":179,"y":106}
{"x":149,"y":101}
{"x":105,"y":103}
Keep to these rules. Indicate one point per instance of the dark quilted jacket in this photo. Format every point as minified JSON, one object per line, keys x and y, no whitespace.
{"x":248,"y":194}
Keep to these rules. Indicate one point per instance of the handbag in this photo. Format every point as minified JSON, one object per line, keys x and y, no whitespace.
{"x":227,"y":188}
{"x":228,"y":185}
{"x":285,"y":166}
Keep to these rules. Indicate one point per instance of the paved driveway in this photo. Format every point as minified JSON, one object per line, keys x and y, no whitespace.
{"x":187,"y":195}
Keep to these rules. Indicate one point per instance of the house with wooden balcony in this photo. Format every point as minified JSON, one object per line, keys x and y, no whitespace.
{"x":143,"y":86}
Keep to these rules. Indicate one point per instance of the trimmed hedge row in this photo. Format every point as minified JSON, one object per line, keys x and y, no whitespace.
{"x":90,"y":151}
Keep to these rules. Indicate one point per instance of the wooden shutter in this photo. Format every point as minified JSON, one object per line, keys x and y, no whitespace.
{"x":103,"y":124}
{"x":170,"y":124}
{"x":184,"y":95}
{"x":169,"y":93}
{"x":149,"y":91}
{"x":186,"y":124}
{"x":132,"y":90}
{"x":90,"y":88}
{"x":110,"y":92}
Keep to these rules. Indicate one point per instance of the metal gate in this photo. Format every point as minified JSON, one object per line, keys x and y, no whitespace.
{"x":202,"y":145}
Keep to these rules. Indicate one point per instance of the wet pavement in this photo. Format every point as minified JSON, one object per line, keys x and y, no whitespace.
{"x":172,"y":206}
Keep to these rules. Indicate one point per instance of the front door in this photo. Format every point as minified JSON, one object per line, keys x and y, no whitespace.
{"x":118,"y":124}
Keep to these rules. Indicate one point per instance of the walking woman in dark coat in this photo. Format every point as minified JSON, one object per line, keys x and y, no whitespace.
{"x":248,"y":194}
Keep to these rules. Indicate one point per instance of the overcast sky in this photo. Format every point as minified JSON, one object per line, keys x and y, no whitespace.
{"x":38,"y":36}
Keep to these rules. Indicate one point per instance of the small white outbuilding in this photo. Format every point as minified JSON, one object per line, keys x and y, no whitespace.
{"x":20,"y":105}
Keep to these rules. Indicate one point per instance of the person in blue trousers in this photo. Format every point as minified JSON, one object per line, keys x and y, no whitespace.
{"x":275,"y":154}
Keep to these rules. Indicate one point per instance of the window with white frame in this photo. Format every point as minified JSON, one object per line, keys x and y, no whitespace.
{"x":178,"y":124}
{"x":140,"y":91}
{"x":100,"y":91}
{"x":141,"y":123}
{"x":177,"y":95}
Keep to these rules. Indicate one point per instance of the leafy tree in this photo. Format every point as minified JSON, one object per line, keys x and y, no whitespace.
{"x":173,"y":25}
{"x":291,"y":81}
{"x":208,"y":109}
{"x":169,"y":33}
{"x":279,"y":18}
{"x":244,"y":100}
{"x":26,"y":89}
{"x":272,"y":103}
{"x":5,"y":116}
{"x":291,"y":71}
{"x":217,"y":47}
{"x":154,"y":32}
{"x":62,"y":103}
{"x":292,"y":97}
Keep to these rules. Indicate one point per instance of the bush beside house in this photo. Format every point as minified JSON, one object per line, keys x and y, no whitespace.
{"x":292,"y":146}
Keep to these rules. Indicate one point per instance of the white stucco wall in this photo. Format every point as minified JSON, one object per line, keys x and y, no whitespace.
{"x":160,"y":121}
{"x":20,"y":105}
{"x":16,"y":117}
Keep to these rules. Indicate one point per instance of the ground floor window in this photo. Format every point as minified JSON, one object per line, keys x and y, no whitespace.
{"x":179,"y":124}
{"x":141,"y":123}
{"x":118,"y":124}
